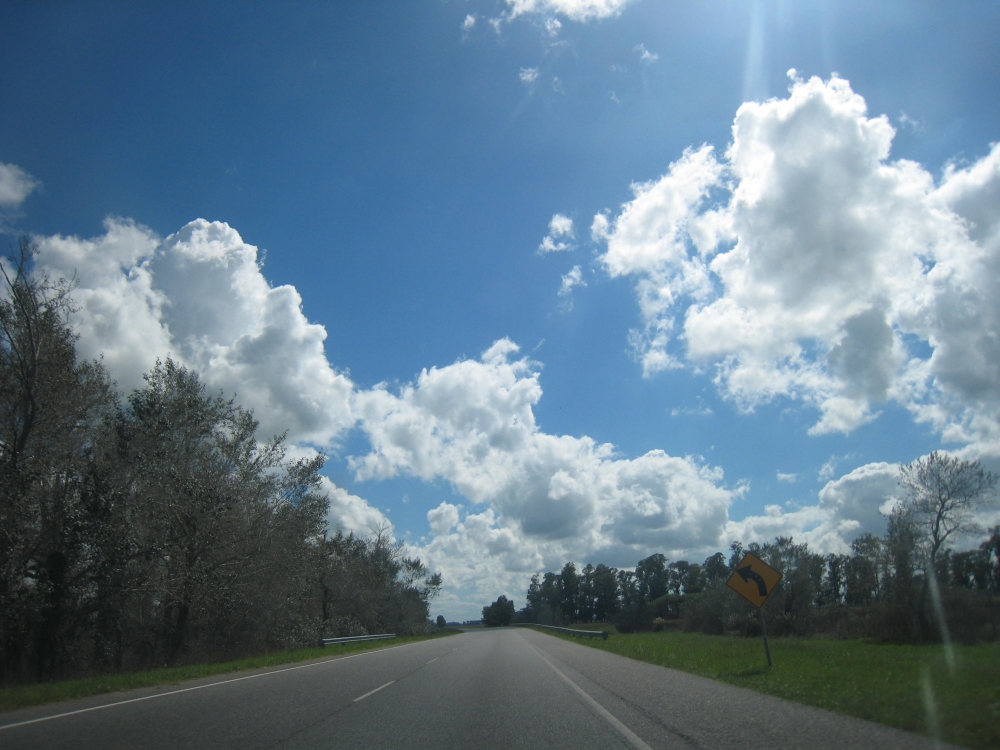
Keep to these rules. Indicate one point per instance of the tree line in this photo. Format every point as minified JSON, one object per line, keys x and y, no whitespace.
{"x":907,"y":585}
{"x":160,"y":528}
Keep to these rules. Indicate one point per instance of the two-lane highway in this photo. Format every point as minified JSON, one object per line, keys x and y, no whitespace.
{"x":503,"y":688}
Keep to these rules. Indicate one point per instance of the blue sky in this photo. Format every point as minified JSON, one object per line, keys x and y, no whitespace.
{"x":746,"y":343}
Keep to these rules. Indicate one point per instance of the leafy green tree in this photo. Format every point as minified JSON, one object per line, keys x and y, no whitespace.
{"x":652,"y":578}
{"x":585,"y":605}
{"x":715,"y":569}
{"x":992,"y":549}
{"x":628,"y":590}
{"x":569,"y":592}
{"x":685,"y":578}
{"x":499,"y":613}
{"x":737,"y":552}
{"x":834,"y":584}
{"x":969,"y":569}
{"x":607,"y":600}
{"x":542,"y":601}
{"x":864,"y":572}
{"x":441,"y":622}
{"x":902,"y":555}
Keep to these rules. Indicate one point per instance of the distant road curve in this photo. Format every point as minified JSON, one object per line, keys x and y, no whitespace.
{"x":502,"y":688}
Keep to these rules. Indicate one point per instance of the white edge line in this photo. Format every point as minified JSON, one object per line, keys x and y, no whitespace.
{"x":627,"y":733}
{"x":372,"y":692}
{"x":433,"y":660}
{"x":202,"y":687}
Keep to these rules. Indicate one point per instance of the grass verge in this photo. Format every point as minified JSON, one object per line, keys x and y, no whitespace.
{"x":51,"y":692}
{"x":905,"y":686}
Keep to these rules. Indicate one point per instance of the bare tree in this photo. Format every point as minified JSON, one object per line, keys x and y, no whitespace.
{"x":50,"y":405}
{"x":943,"y":494}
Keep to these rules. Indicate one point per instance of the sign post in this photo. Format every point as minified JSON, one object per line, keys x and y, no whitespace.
{"x":755,"y":581}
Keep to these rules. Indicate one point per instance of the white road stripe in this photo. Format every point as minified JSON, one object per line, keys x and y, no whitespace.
{"x":372,"y":692}
{"x":202,"y":687}
{"x":434,"y":659}
{"x":627,"y":733}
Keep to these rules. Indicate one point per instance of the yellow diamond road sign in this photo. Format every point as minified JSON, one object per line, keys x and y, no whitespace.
{"x":754,"y":580}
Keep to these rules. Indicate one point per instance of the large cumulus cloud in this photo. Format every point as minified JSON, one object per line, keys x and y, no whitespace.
{"x":805,"y":263}
{"x":200,"y":296}
{"x":472,"y":424}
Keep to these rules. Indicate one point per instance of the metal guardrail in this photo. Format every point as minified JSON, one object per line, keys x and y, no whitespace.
{"x":569,"y":631}
{"x":324,"y":642}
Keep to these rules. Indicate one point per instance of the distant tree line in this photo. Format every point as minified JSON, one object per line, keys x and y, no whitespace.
{"x":159,"y":529}
{"x":908,"y":585}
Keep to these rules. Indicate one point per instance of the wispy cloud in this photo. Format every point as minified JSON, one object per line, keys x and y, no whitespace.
{"x":15,"y":186}
{"x":528,"y":75}
{"x":570,"y":281}
{"x":906,"y":121}
{"x":645,"y":55}
{"x":700,"y":410}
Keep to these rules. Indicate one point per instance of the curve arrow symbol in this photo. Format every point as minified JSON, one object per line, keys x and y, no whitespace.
{"x":748,"y":574}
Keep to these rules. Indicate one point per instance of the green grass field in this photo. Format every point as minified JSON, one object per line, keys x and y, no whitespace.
{"x":910,"y":687}
{"x":50,"y":692}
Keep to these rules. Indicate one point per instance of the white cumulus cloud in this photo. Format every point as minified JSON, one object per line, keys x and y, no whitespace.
{"x":351,"y":513}
{"x":472,"y":424}
{"x":200,"y":297}
{"x":560,"y":235}
{"x":528,"y":75}
{"x":847,"y":507}
{"x":575,"y":10}
{"x":571,"y":280}
{"x":807,"y":264}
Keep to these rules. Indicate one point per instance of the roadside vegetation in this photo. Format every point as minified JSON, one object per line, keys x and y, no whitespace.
{"x":908,"y":586}
{"x":908,"y":686}
{"x":65,"y":690}
{"x":158,"y":529}
{"x":904,"y":630}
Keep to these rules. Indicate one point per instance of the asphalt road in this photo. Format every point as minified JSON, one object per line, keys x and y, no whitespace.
{"x":504,"y":688}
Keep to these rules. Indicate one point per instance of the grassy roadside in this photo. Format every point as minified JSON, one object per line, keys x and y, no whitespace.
{"x":904,"y":686}
{"x":50,"y":692}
